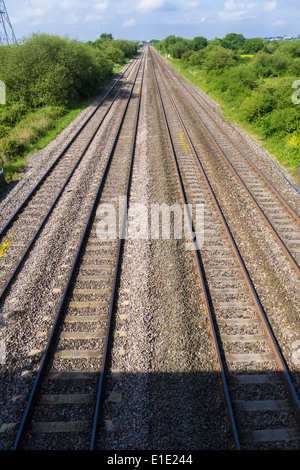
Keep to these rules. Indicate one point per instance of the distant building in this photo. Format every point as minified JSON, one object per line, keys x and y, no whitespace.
{"x":294,"y":37}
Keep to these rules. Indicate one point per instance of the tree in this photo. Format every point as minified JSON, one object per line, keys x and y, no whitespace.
{"x":218,"y":59}
{"x":178,"y":49}
{"x":253,"y":45}
{"x":199,"y":42}
{"x":233,"y":41}
{"x":106,"y":37}
{"x":197,"y":58}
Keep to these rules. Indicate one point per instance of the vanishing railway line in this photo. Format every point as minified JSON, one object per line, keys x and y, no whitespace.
{"x":38,"y":206}
{"x":249,"y":356}
{"x":80,"y":335}
{"x":280,"y":217}
{"x":64,"y":409}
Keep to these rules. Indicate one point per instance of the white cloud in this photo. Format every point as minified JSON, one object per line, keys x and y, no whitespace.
{"x":184,"y":18}
{"x":129,"y":23}
{"x":279,"y":23}
{"x":100,"y":6}
{"x":91,"y":18}
{"x":69,"y":5}
{"x":191,"y":5}
{"x":239,"y":11}
{"x":148,"y":5}
{"x":270,"y":6}
{"x":72,"y":19}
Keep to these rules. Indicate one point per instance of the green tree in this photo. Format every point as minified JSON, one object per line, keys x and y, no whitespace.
{"x":197,"y":58}
{"x":106,"y":37}
{"x":253,"y":45}
{"x":179,"y":48}
{"x":199,"y":42}
{"x":218,"y":59}
{"x":233,"y":41}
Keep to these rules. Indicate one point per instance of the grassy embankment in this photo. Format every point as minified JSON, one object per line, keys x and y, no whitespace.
{"x":34,"y":131}
{"x":253,"y":88}
{"x":49,"y":81}
{"x":285,"y":150}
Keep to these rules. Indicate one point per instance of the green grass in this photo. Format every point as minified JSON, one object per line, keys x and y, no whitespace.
{"x":57,"y":127}
{"x":31,"y":134}
{"x":117,"y":68}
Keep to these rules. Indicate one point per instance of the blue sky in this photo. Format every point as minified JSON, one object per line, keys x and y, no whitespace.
{"x":154,"y":19}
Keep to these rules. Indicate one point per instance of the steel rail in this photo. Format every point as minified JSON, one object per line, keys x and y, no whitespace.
{"x":270,"y":185}
{"x":48,"y":350}
{"x":279,"y":359}
{"x":200,"y":269}
{"x":287,"y":252}
{"x":54,"y":203}
{"x":116,"y":274}
{"x":61,"y":154}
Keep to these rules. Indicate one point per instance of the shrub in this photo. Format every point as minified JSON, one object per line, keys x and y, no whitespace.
{"x":259,"y":103}
{"x":49,"y":70}
{"x":237,"y":83}
{"x":282,"y":121}
{"x":294,"y":67}
{"x":197,"y":58}
{"x":218,"y":59}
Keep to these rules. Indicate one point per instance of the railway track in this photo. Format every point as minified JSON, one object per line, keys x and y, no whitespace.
{"x":33,"y":213}
{"x":66,"y":401}
{"x":66,"y":396}
{"x":280,"y":217}
{"x":263,"y":406}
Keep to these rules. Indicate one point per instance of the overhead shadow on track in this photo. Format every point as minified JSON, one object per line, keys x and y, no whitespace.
{"x":154,"y":411}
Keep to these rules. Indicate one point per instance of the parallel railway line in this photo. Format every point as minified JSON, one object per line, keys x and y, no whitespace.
{"x":280,"y":217}
{"x":249,"y":358}
{"x":64,"y":409}
{"x":37,"y":207}
{"x":79,"y":339}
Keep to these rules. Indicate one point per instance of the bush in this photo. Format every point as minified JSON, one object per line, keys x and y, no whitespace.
{"x":218,"y":59}
{"x":13,"y":114}
{"x":294,"y":67}
{"x":197,"y":58}
{"x":253,"y":45}
{"x":237,"y":83}
{"x":116,"y":51}
{"x":282,"y":121}
{"x":49,"y":70}
{"x":258,"y":104}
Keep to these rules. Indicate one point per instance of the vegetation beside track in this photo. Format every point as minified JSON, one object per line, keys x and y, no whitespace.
{"x":252,"y":80}
{"x":49,"y":80}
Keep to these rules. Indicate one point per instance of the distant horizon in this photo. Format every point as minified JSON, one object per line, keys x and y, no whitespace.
{"x":154,"y":19}
{"x":160,"y":39}
{"x":221,"y":37}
